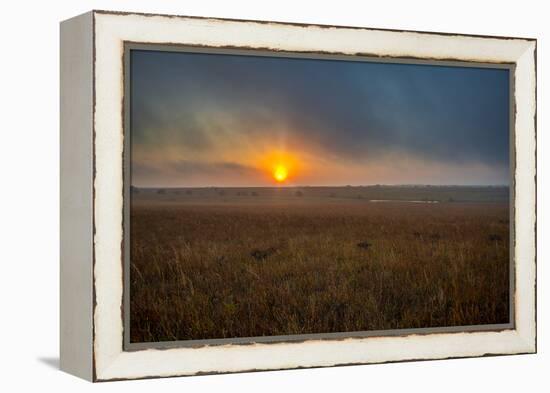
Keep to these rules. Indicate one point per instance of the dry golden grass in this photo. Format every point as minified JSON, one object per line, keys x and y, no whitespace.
{"x":220,"y":270}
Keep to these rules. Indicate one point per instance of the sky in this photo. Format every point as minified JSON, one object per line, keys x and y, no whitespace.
{"x":200,"y":120}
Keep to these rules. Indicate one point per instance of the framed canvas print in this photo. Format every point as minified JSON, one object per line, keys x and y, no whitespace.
{"x":244,"y":195}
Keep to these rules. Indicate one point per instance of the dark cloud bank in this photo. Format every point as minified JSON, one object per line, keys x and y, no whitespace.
{"x":350,"y":111}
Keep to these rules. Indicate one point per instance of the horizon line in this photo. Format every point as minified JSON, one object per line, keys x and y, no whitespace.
{"x":342,"y":186}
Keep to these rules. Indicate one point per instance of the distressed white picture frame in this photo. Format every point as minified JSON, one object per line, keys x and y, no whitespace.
{"x":92,"y":142}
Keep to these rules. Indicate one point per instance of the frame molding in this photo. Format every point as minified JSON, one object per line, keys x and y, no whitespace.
{"x":76,"y":196}
{"x":109,"y":31}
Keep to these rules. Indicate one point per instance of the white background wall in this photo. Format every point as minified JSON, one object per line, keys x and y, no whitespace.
{"x":29,"y":182}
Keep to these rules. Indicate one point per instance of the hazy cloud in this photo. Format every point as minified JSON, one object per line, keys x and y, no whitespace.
{"x":350,"y":111}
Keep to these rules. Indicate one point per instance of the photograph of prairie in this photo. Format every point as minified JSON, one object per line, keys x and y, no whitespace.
{"x":282,"y":196}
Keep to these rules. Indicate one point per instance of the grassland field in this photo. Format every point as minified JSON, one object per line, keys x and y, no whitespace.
{"x":245,"y":262}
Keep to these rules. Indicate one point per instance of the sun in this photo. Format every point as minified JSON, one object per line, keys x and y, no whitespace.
{"x":280,"y":173}
{"x":279,"y":166}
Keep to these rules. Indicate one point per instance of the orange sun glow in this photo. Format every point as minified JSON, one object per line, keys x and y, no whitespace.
{"x":280,"y":173}
{"x":280,"y":165}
